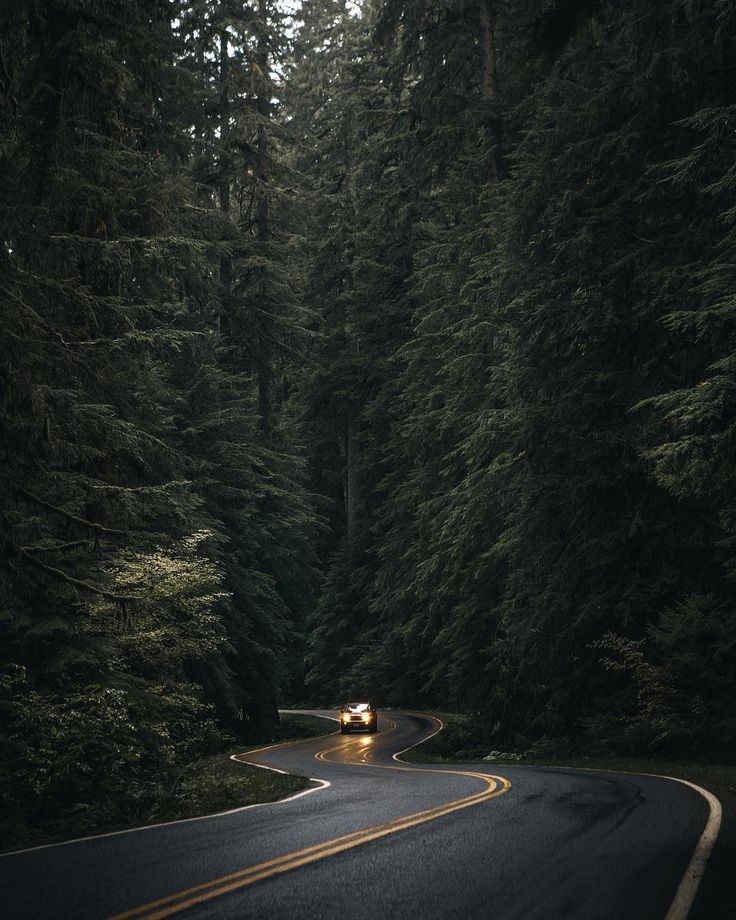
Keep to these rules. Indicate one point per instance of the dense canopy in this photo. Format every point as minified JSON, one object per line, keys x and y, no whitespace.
{"x":349,"y":350}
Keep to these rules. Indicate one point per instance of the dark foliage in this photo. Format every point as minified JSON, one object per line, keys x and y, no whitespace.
{"x":546,"y":431}
{"x":154,"y":528}
{"x":410,"y":328}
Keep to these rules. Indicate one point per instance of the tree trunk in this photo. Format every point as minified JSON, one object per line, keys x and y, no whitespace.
{"x":353,"y":411}
{"x":489,"y":84}
{"x":263,"y":107}
{"x":351,"y":481}
{"x":224,"y":185}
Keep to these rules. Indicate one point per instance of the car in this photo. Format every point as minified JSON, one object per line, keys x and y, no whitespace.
{"x":358,"y":717}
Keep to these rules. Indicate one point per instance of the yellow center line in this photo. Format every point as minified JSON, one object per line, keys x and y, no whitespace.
{"x":242,"y":878}
{"x":281,"y":744}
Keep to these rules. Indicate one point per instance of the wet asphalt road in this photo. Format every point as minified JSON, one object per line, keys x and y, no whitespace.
{"x":556,"y":844}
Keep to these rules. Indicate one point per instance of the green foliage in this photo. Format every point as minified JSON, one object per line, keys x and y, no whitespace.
{"x":409,"y":328}
{"x":101,"y":752}
{"x":293,"y":725}
{"x":683,"y":672}
{"x":154,"y":525}
{"x":547,"y":444}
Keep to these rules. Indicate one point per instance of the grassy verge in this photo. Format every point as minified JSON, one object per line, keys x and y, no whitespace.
{"x":205,"y":786}
{"x":459,"y":742}
{"x":296,"y":725}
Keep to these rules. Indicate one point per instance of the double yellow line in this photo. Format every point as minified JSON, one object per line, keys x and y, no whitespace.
{"x":198,"y":894}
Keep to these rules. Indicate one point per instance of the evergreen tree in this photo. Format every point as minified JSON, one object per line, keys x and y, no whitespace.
{"x":155,"y":526}
{"x":430,"y":299}
{"x":107,"y":601}
{"x":515,"y":519}
{"x":237,"y":419}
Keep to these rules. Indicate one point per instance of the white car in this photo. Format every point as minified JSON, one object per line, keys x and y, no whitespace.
{"x":358,"y":717}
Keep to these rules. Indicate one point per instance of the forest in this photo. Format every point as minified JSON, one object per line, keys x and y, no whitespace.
{"x":380,"y":348}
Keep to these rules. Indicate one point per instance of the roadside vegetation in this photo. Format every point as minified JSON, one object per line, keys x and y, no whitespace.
{"x":187,"y":789}
{"x":380,"y":348}
{"x":463,"y":739}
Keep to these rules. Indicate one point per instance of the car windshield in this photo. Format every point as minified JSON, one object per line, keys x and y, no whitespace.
{"x":357,"y":707}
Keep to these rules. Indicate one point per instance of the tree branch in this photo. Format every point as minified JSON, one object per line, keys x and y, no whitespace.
{"x":83,"y":522}
{"x":59,"y":547}
{"x":85,"y":585}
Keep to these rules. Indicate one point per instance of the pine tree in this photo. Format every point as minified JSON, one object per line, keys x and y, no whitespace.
{"x":514,"y":518}
{"x":108,"y":602}
{"x":236,"y":422}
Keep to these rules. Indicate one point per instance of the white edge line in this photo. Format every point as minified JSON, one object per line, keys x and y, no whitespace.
{"x":688,"y":887}
{"x":397,"y":755}
{"x":218,"y":814}
{"x":690,"y":882}
{"x":679,"y":909}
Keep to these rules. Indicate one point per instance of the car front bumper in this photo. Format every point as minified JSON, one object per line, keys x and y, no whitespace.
{"x":358,"y":725}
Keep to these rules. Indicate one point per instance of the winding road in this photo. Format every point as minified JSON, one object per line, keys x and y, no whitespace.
{"x":376,"y":837}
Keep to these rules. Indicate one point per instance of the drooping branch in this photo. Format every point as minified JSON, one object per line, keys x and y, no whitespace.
{"x":57,"y":548}
{"x":12,"y":550}
{"x":82,"y":522}
{"x":78,"y":583}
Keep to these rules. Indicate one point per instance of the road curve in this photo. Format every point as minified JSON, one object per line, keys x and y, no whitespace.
{"x":375,"y":837}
